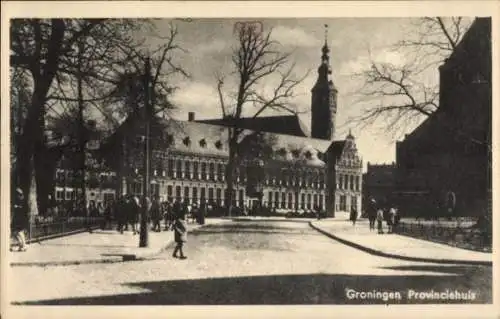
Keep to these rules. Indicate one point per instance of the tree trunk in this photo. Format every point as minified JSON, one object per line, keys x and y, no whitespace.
{"x":230,"y":171}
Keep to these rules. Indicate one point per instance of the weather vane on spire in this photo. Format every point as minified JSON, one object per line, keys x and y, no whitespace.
{"x":326,"y":33}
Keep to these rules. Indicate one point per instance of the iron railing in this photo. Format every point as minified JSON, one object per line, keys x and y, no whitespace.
{"x":42,"y":228}
{"x":462,"y":233}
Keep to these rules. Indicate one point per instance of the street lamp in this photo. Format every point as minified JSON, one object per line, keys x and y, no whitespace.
{"x":143,"y":238}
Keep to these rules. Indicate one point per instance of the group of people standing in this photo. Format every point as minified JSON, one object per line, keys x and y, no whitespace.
{"x":378,"y":213}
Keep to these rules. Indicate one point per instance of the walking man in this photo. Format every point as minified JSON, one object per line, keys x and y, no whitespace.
{"x":372,"y":213}
{"x":156,"y":214}
{"x":380,"y":220}
{"x":20,"y":219}
{"x":354,"y":215}
{"x":180,"y":229}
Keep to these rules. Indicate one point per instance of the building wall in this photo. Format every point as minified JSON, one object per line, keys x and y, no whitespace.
{"x":449,"y":153}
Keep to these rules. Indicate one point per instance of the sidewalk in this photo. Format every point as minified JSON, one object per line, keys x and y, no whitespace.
{"x":97,"y":247}
{"x":397,"y":246}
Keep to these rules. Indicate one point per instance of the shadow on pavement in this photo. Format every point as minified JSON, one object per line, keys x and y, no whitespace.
{"x":288,"y":289}
{"x":451,"y":269}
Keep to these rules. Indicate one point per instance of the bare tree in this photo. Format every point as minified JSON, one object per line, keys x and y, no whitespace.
{"x":57,"y":53}
{"x":256,"y":59}
{"x":399,"y":93}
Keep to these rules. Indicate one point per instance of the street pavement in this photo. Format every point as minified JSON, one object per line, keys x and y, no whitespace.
{"x":398,"y":246}
{"x":96,"y":247}
{"x":252,"y":262}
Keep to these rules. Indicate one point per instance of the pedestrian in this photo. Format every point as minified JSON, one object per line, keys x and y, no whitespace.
{"x":353,"y":215}
{"x":180,"y":229}
{"x":133,"y":210}
{"x":108,"y":214}
{"x":203,"y":212}
{"x":20,"y":219}
{"x":156,"y":214}
{"x":91,"y":212}
{"x":372,"y":213}
{"x":391,"y":213}
{"x":121,"y":213}
{"x":380,"y":220}
{"x":168,"y":215}
{"x":100,"y":214}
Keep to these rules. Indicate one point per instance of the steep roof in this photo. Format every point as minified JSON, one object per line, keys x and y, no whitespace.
{"x":193,"y":137}
{"x":282,"y":124}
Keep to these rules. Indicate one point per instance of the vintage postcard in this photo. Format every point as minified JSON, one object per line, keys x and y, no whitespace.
{"x":285,"y":158}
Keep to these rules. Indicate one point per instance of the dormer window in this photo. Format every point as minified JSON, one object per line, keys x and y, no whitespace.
{"x":169,"y":138}
{"x":218,"y":145}
{"x":296,"y":153}
{"x":186,"y":141}
{"x":203,"y":142}
{"x":308,"y":154}
{"x":282,"y":151}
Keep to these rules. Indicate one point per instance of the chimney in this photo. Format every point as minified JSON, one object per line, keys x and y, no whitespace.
{"x":191,"y":116}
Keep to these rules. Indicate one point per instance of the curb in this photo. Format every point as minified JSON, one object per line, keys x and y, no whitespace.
{"x":395,"y":256}
{"x":115,"y":259}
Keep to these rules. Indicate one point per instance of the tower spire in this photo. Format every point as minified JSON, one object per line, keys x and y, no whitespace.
{"x":326,"y":34}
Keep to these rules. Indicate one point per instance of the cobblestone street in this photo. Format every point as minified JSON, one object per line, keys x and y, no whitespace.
{"x":248,"y":262}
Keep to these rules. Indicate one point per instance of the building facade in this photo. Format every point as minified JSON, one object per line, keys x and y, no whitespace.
{"x":301,"y":172}
{"x":446,"y":162}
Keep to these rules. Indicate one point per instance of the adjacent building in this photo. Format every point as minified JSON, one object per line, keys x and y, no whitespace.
{"x":379,"y":182}
{"x":444,"y":165}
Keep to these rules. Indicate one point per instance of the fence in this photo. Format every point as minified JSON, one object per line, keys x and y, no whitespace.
{"x":49,"y":227}
{"x":462,"y":233}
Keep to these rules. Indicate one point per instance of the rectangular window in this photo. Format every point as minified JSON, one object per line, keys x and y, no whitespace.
{"x":178,"y":193}
{"x":186,"y":194}
{"x":283,"y":200}
{"x":170,"y":168}
{"x":210,"y":195}
{"x":187,"y":169}
{"x":303,"y":201}
{"x":351,"y":180}
{"x":218,"y":195}
{"x":221,"y":172}
{"x":59,"y":195}
{"x":179,"y":169}
{"x":290,"y":196}
{"x":169,"y":193}
{"x":203,"y":171}
{"x":320,"y":204}
{"x":346,"y":182}
{"x":357,"y":183}
{"x":315,"y":200}
{"x":308,"y":201}
{"x":270,"y":199}
{"x":276,"y":200}
{"x":343,"y":203}
{"x":195,"y":170}
{"x":195,"y":194}
{"x":211,"y":171}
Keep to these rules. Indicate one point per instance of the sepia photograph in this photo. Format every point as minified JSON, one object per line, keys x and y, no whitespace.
{"x":206,"y":161}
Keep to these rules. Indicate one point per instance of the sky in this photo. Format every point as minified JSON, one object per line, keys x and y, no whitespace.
{"x":209,"y":43}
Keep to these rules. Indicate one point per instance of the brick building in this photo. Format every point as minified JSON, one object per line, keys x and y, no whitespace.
{"x":444,"y":165}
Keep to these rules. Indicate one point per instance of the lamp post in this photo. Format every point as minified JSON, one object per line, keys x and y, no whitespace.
{"x":143,"y":237}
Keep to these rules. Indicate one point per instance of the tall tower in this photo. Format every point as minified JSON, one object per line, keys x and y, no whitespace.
{"x":324,"y":98}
